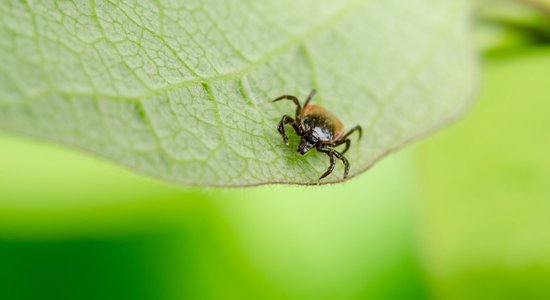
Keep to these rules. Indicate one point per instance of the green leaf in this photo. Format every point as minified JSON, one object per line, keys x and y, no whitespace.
{"x":182,"y":91}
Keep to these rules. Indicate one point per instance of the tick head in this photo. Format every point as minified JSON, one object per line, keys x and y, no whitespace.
{"x":305,"y":146}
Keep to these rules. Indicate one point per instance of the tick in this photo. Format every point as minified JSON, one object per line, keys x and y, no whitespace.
{"x":318,"y":128}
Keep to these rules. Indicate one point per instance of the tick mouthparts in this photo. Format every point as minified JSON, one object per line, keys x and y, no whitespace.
{"x":304,"y":147}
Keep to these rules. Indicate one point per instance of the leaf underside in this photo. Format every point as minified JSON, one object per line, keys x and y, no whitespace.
{"x":181,"y":90}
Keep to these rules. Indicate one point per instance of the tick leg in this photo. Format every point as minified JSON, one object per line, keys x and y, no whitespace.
{"x":330,"y":154}
{"x":354,"y":129}
{"x":340,"y":142}
{"x":293,"y":99}
{"x":344,"y":161}
{"x":347,"y":142}
{"x":281,"y":128}
{"x":311,"y":94}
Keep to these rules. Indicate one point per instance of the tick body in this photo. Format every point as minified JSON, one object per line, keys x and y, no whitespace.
{"x":319,"y":129}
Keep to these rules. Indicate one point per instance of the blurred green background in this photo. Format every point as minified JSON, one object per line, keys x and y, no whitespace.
{"x":463,"y":214}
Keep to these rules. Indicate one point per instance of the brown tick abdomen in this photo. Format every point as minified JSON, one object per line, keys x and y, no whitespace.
{"x":324,"y":119}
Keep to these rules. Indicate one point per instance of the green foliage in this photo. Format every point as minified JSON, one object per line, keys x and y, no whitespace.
{"x":181,"y":91}
{"x":485,"y":188}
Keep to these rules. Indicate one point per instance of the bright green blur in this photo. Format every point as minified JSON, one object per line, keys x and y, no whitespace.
{"x":486,"y":189}
{"x":72,"y":226}
{"x":464,"y":214}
